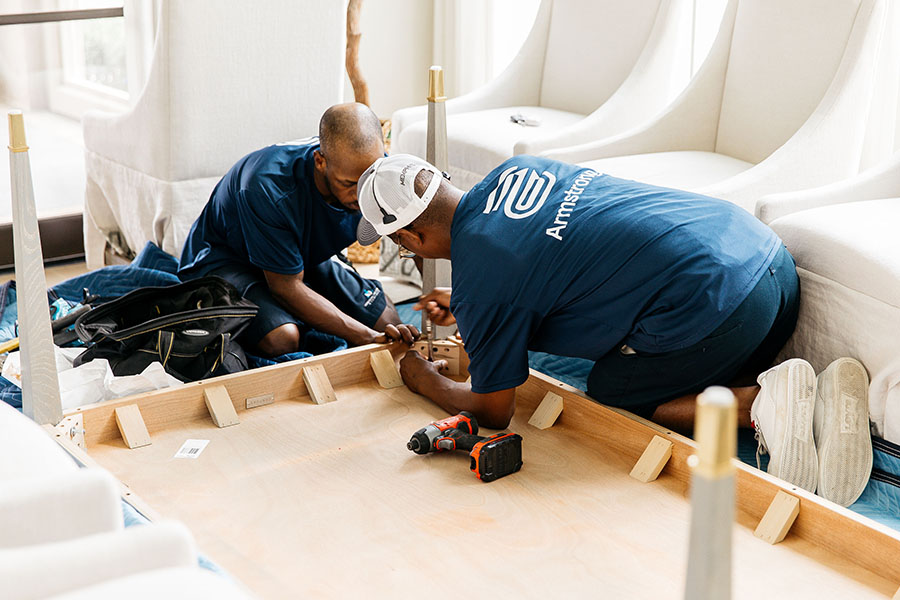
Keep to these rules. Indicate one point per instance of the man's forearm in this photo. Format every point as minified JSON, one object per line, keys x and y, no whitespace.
{"x":494,"y":410}
{"x":319,"y":313}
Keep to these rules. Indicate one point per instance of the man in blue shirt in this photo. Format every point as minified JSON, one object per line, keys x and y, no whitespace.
{"x":273,"y":226}
{"x":667,"y":291}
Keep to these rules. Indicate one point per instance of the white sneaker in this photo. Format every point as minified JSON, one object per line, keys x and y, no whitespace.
{"x":841,"y":428}
{"x":782,"y":415}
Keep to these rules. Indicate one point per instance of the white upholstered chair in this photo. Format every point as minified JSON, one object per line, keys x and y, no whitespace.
{"x":588,"y":69}
{"x":847,"y":247}
{"x":781,"y":103}
{"x":227,"y":77}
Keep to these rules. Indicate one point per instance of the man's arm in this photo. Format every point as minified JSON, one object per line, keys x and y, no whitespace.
{"x":493,"y":410}
{"x":318,"y":312}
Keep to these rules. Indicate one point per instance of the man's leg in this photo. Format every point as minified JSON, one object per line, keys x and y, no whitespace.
{"x":663,"y":387}
{"x":360,"y":298}
{"x":678,"y":414}
{"x":284,"y":339}
{"x":273,"y":331}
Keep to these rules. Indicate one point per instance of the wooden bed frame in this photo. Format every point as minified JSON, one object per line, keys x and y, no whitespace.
{"x":324,"y":500}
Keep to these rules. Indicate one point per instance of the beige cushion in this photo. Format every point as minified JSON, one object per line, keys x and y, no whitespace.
{"x":856,"y":244}
{"x":685,"y":170}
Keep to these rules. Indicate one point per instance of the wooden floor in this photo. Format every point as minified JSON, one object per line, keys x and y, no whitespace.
{"x":301,"y":500}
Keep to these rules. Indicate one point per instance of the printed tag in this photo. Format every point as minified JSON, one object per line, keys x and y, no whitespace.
{"x":191,"y":449}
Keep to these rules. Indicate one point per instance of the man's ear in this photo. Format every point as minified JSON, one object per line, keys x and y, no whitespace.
{"x":319,"y":161}
{"x":410,"y":235}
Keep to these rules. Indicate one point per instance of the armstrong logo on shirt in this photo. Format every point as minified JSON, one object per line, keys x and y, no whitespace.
{"x":523,"y":191}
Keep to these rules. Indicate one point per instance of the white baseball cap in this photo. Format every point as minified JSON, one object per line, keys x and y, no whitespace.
{"x":387,"y":197}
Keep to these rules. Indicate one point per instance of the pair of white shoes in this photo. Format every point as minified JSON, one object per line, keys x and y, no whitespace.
{"x":816,"y":429}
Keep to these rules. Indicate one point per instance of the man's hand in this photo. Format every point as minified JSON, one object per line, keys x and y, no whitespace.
{"x":417,"y":372}
{"x":403,"y":332}
{"x":437,"y":304}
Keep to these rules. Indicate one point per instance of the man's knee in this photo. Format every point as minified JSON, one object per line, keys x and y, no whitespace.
{"x":281,"y":340}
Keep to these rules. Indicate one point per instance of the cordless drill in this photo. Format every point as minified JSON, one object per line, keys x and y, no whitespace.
{"x":492,"y":457}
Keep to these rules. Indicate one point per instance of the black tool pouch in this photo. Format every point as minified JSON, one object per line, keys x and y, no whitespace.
{"x":189,"y":328}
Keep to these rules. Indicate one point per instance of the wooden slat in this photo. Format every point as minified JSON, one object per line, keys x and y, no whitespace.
{"x":318,"y":385}
{"x":220,"y":406}
{"x":778,"y":519}
{"x":652,"y":461}
{"x":132,"y":427}
{"x":547,"y":411}
{"x":385,"y":369}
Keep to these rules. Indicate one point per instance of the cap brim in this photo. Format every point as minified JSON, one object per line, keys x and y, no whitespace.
{"x":366,"y":234}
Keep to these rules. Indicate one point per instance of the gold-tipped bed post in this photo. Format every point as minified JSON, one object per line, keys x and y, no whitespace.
{"x":436,"y":272}
{"x":40,"y":386}
{"x":712,"y":497}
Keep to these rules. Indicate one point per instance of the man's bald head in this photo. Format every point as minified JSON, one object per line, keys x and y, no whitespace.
{"x":350,"y":127}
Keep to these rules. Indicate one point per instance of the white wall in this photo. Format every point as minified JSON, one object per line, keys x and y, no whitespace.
{"x":395,"y":52}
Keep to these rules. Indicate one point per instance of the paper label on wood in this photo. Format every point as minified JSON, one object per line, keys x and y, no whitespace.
{"x":256,"y":401}
{"x":191,"y":448}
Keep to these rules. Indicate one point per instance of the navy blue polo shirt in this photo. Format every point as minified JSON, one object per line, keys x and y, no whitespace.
{"x":266,"y":212}
{"x":557,"y":258}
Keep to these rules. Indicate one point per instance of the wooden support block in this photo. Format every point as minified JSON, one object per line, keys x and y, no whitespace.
{"x":318,"y":384}
{"x":651,"y":463}
{"x":443,"y":350}
{"x":220,"y":406}
{"x":778,"y":518}
{"x":385,"y":369}
{"x":131,"y":426}
{"x":547,"y":411}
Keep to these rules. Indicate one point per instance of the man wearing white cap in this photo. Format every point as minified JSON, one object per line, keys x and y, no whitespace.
{"x":667,"y":291}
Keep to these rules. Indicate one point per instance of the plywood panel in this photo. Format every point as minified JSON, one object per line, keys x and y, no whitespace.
{"x":307,"y":500}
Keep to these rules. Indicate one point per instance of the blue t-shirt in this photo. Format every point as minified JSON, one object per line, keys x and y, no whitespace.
{"x":267,"y":212}
{"x":557,"y":258}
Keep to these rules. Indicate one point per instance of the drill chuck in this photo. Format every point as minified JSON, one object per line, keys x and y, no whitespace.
{"x":418,"y":443}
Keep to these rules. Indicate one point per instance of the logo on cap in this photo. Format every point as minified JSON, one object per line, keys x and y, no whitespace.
{"x":522,"y":192}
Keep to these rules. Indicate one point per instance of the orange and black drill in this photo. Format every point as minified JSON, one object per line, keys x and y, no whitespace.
{"x":492,"y":457}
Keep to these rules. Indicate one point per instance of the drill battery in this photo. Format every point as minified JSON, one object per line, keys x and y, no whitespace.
{"x":496,"y":456}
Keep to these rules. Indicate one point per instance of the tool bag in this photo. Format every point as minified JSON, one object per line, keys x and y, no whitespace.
{"x":188,"y":327}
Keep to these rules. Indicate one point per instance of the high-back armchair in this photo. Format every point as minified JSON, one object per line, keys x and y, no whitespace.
{"x":227,"y":77}
{"x":578,"y":55}
{"x":781,"y":103}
